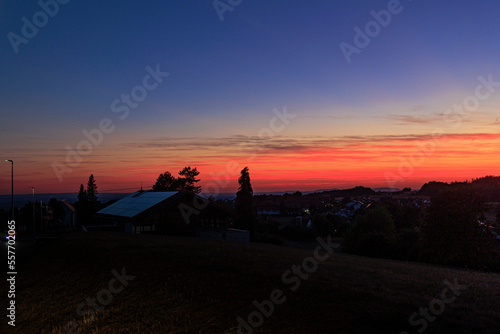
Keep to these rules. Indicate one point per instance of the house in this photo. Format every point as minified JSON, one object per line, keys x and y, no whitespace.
{"x":69,"y":214}
{"x":169,"y":212}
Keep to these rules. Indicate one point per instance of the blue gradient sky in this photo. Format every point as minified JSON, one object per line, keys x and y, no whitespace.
{"x":226,"y":78}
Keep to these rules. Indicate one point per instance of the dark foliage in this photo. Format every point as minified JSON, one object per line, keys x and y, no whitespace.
{"x":488,"y":186}
{"x":244,"y":203}
{"x":452,"y":233}
{"x":186,"y":181}
{"x":322,"y":226}
{"x":92,"y":190}
{"x":58,"y":213}
{"x":87,"y":203}
{"x":372,"y":234}
{"x":407,"y":244}
{"x":352,"y":192}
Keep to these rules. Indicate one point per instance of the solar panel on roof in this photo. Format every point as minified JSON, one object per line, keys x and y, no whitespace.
{"x":136,"y":203}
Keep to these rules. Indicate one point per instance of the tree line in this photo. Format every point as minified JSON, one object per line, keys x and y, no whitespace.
{"x":449,"y":231}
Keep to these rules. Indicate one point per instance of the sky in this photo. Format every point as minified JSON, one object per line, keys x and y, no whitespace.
{"x":308,"y":95}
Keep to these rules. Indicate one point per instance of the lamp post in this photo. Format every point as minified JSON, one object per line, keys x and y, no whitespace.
{"x":12,"y":185}
{"x":41,"y":216}
{"x":33,"y":188}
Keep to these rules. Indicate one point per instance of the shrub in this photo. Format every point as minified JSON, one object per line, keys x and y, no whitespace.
{"x":372,"y":234}
{"x":452,"y":234}
{"x":407,"y":244}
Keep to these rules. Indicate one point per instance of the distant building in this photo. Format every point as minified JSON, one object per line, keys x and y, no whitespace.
{"x":269,"y":212}
{"x":170,"y":212}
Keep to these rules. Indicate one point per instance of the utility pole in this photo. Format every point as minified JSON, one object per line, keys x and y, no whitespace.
{"x":33,"y":188}
{"x":41,"y":216}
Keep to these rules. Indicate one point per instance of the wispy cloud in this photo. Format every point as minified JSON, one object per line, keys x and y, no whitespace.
{"x":403,"y":119}
{"x":233,"y":144}
{"x":441,"y":119}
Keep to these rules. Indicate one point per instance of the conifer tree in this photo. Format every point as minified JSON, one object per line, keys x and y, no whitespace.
{"x":244,"y":203}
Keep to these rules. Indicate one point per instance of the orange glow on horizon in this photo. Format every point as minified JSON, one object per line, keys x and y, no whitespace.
{"x":309,"y":165}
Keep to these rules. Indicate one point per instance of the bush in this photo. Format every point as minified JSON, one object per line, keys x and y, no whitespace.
{"x":376,"y":244}
{"x":372,"y":234}
{"x":340,"y":224}
{"x":407,"y":244}
{"x":452,"y":234}
{"x":322,"y":226}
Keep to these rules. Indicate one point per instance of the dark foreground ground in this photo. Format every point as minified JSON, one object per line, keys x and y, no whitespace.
{"x":187,"y":285}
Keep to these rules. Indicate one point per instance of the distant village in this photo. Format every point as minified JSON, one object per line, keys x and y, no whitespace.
{"x":403,"y":224}
{"x":293,"y":211}
{"x":289,"y":209}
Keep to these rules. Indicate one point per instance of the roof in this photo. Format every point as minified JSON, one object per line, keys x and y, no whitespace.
{"x":69,"y":206}
{"x":135,"y":203}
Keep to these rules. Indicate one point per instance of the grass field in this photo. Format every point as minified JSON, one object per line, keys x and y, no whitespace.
{"x":189,"y":285}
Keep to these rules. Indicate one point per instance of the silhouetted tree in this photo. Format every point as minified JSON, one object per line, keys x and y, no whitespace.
{"x":82,"y":194}
{"x":372,"y":233}
{"x":407,"y":215}
{"x":378,"y":219}
{"x":92,"y":189}
{"x":58,"y":213}
{"x":339,"y":223}
{"x":346,"y":199}
{"x":186,"y":181}
{"x":322,"y":226}
{"x":452,"y":234}
{"x":488,"y":186}
{"x":92,"y":196}
{"x":87,"y":203}
{"x":166,"y":182}
{"x":81,"y":207}
{"x":244,"y":203}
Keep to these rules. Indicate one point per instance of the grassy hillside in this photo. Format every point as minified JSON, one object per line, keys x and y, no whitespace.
{"x":187,"y":285}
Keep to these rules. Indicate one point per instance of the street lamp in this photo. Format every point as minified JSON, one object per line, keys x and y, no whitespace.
{"x":12,"y":185}
{"x":41,"y":215}
{"x":33,"y":211}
